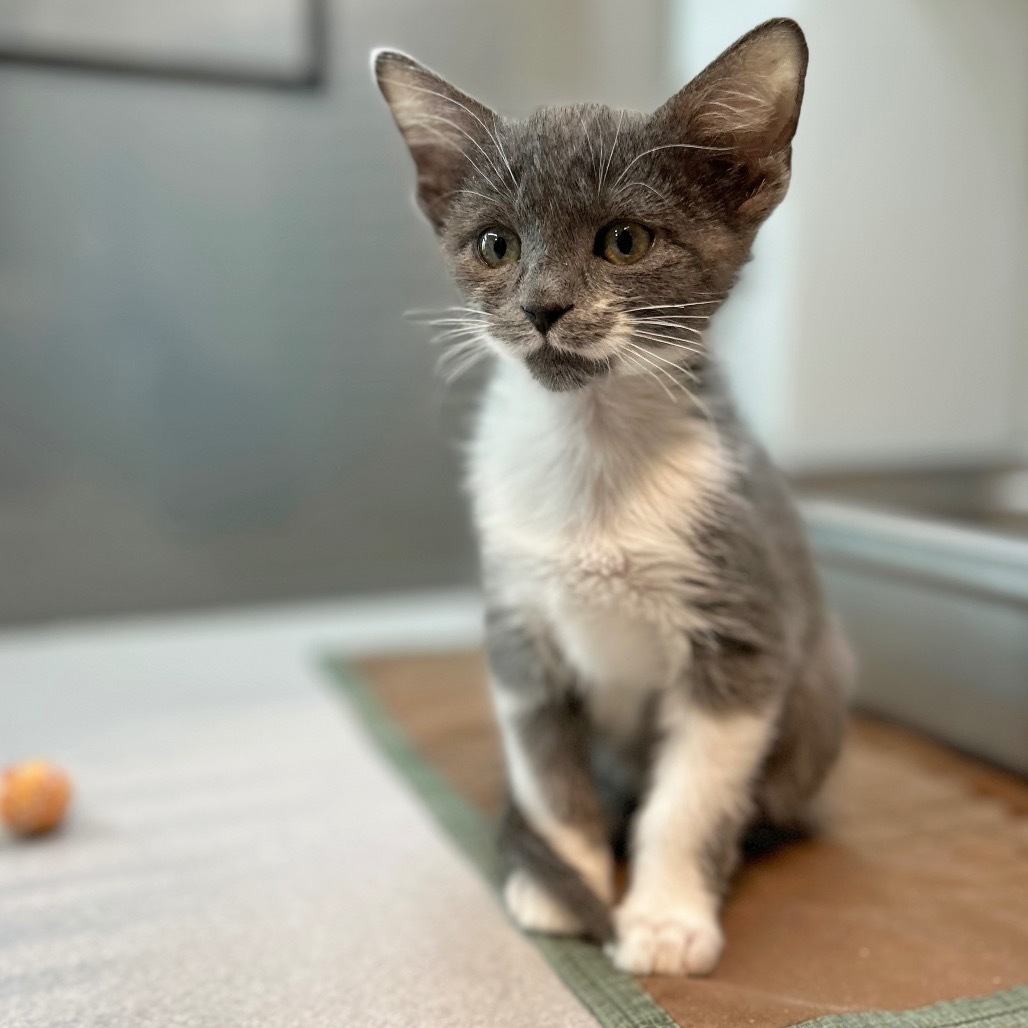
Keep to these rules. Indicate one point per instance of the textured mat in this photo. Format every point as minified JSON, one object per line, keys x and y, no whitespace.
{"x":916,"y":891}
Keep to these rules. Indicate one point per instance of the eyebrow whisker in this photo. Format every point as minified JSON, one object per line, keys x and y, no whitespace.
{"x":610,"y":158}
{"x":670,"y":146}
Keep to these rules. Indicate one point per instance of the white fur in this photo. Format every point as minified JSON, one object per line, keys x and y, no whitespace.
{"x":667,"y":922}
{"x":587,"y":496}
{"x":583,"y":501}
{"x":535,"y":910}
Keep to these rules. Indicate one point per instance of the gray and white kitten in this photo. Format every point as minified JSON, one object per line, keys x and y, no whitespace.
{"x":660,"y":656}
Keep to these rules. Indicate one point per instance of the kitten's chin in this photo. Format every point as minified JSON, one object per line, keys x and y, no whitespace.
{"x":561,"y":371}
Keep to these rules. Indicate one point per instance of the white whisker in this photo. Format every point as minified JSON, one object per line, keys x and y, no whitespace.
{"x":472,"y":192}
{"x":669,"y":363}
{"x":668,"y":328}
{"x":660,"y":323}
{"x":455,"y":337}
{"x":454,"y":321}
{"x":610,"y":158}
{"x":461,"y":357}
{"x":423,"y":313}
{"x":668,"y":146}
{"x":674,"y":318}
{"x":693,"y":398}
{"x":669,"y":306}
{"x":642,"y":355}
{"x":705,"y":410}
{"x":592,"y":152}
{"x":669,"y":342}
{"x":643,"y":185}
{"x":633,"y":362}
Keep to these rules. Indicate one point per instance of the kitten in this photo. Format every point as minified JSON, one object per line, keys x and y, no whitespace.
{"x":659,"y":652}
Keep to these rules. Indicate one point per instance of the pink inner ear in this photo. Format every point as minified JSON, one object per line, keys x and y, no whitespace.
{"x":748,"y":100}
{"x":750,"y":117}
{"x":446,"y":130}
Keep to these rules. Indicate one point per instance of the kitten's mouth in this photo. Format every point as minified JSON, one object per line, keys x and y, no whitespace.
{"x":560,"y":370}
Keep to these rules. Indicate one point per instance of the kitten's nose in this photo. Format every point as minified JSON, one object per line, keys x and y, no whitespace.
{"x":544,"y":317}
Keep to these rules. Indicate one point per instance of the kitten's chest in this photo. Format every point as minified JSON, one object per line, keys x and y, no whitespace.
{"x":608,"y":594}
{"x":590,"y":527}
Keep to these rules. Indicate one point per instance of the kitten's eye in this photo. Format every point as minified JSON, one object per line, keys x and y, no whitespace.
{"x":624,"y":242}
{"x":499,"y":246}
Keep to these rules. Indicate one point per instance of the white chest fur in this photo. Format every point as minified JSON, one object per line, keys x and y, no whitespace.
{"x":583,"y":503}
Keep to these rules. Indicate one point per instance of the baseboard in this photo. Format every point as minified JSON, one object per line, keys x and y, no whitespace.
{"x":355,"y":627}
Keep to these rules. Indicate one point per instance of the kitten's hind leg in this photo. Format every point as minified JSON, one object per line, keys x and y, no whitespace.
{"x":810,"y":733}
{"x":554,"y":840}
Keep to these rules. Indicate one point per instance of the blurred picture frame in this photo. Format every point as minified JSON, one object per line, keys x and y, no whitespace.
{"x":262,"y":44}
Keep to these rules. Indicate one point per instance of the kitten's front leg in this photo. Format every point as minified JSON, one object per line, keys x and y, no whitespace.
{"x":686,"y":837}
{"x":545,"y":740}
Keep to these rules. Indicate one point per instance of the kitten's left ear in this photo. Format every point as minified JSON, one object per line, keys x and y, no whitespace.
{"x":448,"y":132}
{"x":745,"y":105}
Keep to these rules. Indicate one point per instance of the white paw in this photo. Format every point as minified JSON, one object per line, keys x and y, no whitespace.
{"x":535,"y":910}
{"x":666,"y":942}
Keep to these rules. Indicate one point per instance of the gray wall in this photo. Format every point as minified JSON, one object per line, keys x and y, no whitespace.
{"x":207,"y":392}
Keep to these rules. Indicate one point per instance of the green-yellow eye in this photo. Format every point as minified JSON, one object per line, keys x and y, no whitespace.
{"x":624,"y":242}
{"x":499,"y":246}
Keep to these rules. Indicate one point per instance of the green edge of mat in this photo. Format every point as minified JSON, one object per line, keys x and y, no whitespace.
{"x":615,"y":999}
{"x":1000,"y":1010}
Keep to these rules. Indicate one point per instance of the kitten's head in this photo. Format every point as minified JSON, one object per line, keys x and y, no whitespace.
{"x":589,"y":241}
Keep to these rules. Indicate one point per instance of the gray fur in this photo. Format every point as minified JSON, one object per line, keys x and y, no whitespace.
{"x":555,"y":735}
{"x":558,"y":176}
{"x":622,"y":774}
{"x":760,"y":592}
{"x":523,"y":655}
{"x":810,"y":731}
{"x":553,"y":731}
{"x":552,"y":721}
{"x":721,"y":853}
{"x":702,"y":182}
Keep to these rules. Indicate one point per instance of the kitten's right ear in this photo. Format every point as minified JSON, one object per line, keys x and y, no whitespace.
{"x":447,"y":131}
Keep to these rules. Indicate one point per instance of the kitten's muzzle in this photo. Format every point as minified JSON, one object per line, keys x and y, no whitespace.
{"x":543,"y":318}
{"x":563,"y":370}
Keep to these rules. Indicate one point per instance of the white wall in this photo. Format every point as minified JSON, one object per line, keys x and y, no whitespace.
{"x":755,"y":331}
{"x":1019,"y":384}
{"x":883,"y":321}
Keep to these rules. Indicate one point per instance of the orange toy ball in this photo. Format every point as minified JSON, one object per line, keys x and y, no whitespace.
{"x":34,"y":797}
